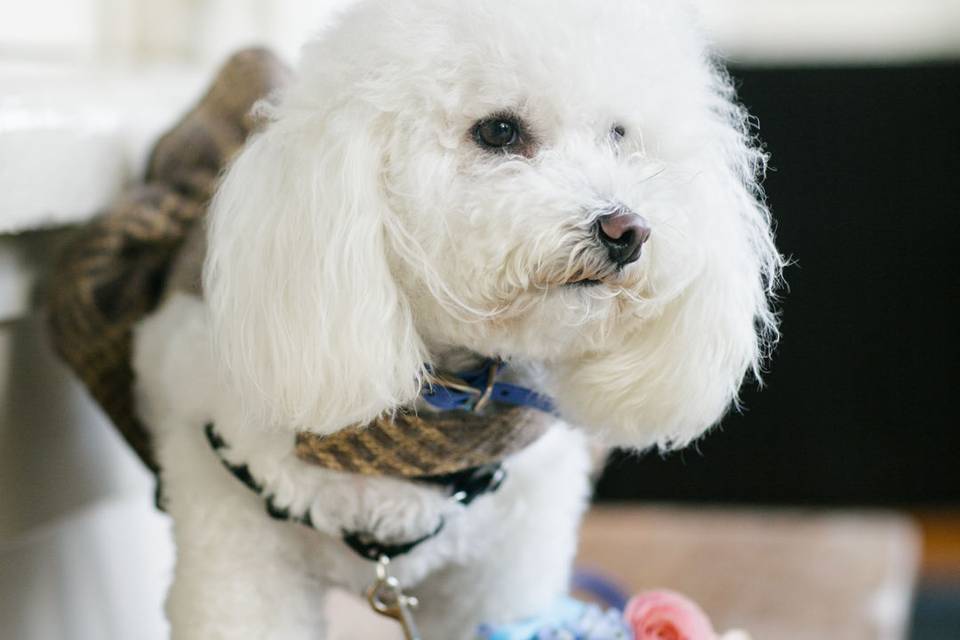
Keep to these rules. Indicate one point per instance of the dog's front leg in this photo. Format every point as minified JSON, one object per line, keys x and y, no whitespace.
{"x":239,"y":574}
{"x":517,"y":546}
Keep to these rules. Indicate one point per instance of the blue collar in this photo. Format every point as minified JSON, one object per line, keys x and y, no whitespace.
{"x":473,"y":390}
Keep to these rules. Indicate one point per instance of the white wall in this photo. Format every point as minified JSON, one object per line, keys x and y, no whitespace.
{"x":834,"y":31}
{"x":766,"y":31}
{"x":201,"y":31}
{"x":47,"y":27}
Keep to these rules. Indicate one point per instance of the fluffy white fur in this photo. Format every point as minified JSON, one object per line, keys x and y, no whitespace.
{"x":364,"y":233}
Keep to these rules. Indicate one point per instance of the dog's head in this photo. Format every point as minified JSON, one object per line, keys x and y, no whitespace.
{"x":565,"y":182}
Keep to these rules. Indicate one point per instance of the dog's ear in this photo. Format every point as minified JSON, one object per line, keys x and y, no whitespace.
{"x":313,"y":330}
{"x":671,"y":376}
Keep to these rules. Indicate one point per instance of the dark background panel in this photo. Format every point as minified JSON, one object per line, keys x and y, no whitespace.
{"x":861,"y":401}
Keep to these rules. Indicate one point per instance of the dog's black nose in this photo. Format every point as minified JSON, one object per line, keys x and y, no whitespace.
{"x":623,"y":234}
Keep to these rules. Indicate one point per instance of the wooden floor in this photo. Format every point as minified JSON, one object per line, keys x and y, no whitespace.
{"x":941,"y":543}
{"x":783,"y":574}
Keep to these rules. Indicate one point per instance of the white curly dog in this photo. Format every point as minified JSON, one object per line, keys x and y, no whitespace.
{"x":564,"y":184}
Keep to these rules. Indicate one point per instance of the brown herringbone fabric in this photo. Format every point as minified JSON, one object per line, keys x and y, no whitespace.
{"x":428,"y":444}
{"x":113,"y":272}
{"x":117,"y":268}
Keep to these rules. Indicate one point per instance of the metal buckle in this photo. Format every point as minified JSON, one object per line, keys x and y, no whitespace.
{"x":454,"y":383}
{"x":387,"y":598}
{"x":481,"y":396}
{"x":488,"y":390}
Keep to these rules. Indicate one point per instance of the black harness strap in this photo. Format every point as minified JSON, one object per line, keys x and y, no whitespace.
{"x":372,"y":549}
{"x":463,"y":486}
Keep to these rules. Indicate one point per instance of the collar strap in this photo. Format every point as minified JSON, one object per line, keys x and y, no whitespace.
{"x":463,"y":487}
{"x":467,"y":485}
{"x":472,"y":390}
{"x":369,"y":548}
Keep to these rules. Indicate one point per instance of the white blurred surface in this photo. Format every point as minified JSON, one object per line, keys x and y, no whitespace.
{"x":72,"y":135}
{"x":97,"y":575}
{"x":149,"y":30}
{"x":83,"y":555}
{"x":47,"y":26}
{"x":771,"y":32}
{"x":765,"y":31}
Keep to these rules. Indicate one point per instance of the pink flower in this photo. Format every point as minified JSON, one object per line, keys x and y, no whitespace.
{"x":665,"y":615}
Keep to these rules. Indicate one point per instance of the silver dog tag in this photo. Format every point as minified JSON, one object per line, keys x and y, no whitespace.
{"x":387,"y":598}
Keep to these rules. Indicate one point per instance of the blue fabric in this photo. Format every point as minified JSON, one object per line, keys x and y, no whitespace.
{"x":567,"y":619}
{"x":446,"y":398}
{"x":602,"y":588}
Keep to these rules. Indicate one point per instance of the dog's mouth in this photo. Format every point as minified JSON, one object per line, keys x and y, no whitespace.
{"x":582,"y":270}
{"x":593,"y":278}
{"x":586,"y":282}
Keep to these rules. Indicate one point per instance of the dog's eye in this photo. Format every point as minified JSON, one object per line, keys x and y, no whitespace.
{"x":618,"y":131}
{"x":497,"y":133}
